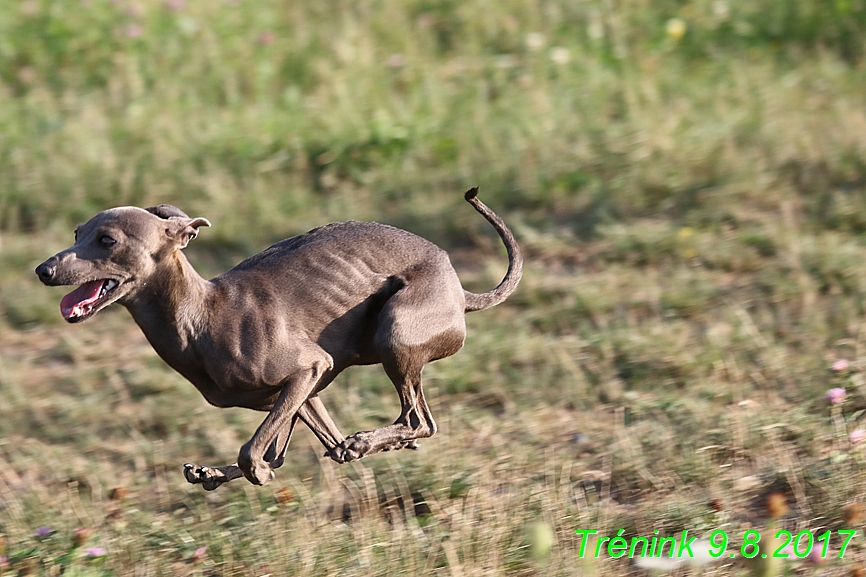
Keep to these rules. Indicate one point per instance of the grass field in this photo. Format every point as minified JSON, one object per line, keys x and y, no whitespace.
{"x":687,"y":181}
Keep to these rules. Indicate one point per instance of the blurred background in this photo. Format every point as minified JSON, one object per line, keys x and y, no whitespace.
{"x":687,"y":181}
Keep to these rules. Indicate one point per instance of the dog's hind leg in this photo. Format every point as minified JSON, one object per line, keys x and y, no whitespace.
{"x":415,"y":422}
{"x":422,"y":322}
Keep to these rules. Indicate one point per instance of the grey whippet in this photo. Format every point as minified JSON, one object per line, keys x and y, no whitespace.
{"x":274,"y":331}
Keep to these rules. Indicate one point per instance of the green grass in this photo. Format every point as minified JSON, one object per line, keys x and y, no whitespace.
{"x":692,"y":211}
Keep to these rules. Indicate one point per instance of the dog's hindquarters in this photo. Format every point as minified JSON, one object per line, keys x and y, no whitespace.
{"x":422,"y":322}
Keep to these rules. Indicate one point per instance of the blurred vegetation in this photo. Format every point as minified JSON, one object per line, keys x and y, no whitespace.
{"x":686,"y":179}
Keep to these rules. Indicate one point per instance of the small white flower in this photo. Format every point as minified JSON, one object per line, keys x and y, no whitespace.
{"x":535,"y":41}
{"x":595,"y":30}
{"x":560,"y":55}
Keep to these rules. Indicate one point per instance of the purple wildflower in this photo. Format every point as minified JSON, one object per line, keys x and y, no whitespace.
{"x":133,"y":30}
{"x":815,"y":558}
{"x":396,"y":61}
{"x":199,"y":554}
{"x":267,"y":37}
{"x":95,"y":552}
{"x":840,"y":365}
{"x":835,"y":396}
{"x":857,"y":436}
{"x":43,"y":532}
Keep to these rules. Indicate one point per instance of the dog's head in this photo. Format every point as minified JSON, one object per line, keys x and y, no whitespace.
{"x":115,"y":254}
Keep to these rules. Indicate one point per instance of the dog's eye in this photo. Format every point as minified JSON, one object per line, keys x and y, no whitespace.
{"x":106,"y":240}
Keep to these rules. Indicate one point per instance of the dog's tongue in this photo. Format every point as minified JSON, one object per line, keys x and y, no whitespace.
{"x":73,"y":303}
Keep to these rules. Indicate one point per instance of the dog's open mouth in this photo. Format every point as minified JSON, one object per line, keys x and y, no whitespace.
{"x":84,"y":300}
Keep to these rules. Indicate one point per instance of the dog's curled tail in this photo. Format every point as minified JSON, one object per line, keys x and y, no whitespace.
{"x":476,"y":302}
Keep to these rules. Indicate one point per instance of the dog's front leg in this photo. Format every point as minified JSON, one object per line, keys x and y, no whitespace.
{"x":295,"y":392}
{"x":212,"y":477}
{"x":316,"y":417}
{"x":313,"y":413}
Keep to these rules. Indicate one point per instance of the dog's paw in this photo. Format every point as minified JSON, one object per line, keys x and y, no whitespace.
{"x":260,"y":474}
{"x":207,"y":477}
{"x":257,"y":473}
{"x":359,"y":445}
{"x":353,"y":448}
{"x":253,"y":467}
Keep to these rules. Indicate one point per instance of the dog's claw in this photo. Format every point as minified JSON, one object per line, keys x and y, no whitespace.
{"x":208,"y":478}
{"x":407,"y":444}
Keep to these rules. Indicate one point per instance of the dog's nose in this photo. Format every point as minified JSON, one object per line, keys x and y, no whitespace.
{"x":45,"y":271}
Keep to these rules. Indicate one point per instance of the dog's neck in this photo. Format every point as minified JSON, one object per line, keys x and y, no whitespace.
{"x":173,"y":306}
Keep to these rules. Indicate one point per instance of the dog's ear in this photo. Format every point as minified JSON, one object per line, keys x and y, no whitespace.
{"x":185,"y":229}
{"x":180,"y":226}
{"x":166,"y":211}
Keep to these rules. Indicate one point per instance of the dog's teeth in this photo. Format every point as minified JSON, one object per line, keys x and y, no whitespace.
{"x":109,"y":284}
